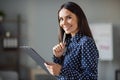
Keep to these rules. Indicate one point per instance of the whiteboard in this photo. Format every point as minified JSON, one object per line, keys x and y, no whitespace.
{"x":103,"y":35}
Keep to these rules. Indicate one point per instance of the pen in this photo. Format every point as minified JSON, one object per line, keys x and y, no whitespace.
{"x":64,"y":36}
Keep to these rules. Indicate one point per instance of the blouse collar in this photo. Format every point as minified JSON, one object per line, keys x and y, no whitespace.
{"x":76,"y":38}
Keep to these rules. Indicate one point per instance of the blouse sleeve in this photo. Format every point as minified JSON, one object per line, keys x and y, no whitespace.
{"x":58,"y":60}
{"x":88,"y":63}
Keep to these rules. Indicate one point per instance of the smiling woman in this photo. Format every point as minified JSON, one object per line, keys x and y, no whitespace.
{"x":68,"y":21}
{"x":77,"y":57}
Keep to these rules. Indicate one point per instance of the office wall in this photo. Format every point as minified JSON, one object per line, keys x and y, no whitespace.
{"x":40,"y":28}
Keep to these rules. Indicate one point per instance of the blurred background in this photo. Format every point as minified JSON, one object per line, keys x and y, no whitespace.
{"x":34,"y":23}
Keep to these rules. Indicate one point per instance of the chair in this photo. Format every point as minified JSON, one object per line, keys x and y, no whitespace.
{"x":117,"y":74}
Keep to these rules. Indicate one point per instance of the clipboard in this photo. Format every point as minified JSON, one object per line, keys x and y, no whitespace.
{"x":35,"y":56}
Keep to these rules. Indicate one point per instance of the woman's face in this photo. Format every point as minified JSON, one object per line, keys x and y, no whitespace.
{"x":68,"y":21}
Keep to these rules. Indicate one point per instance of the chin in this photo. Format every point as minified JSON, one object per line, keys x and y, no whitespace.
{"x":67,"y":32}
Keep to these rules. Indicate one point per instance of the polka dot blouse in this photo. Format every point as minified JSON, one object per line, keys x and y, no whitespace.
{"x":80,"y":60}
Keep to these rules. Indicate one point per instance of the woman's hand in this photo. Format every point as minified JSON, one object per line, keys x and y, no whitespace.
{"x":58,"y":50}
{"x":53,"y":68}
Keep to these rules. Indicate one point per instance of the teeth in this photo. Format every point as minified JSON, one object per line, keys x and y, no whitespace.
{"x":66,"y":28}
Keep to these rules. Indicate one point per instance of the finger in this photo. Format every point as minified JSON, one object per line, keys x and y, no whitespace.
{"x":46,"y":65}
{"x":50,"y":69}
{"x":58,"y":47}
{"x":55,"y":50}
{"x":50,"y":63}
{"x":62,"y":45}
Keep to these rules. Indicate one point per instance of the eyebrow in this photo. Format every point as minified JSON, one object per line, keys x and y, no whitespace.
{"x":65,"y":16}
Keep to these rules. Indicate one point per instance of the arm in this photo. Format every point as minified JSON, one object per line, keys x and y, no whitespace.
{"x":89,"y":60}
{"x":87,"y":69}
{"x":58,"y":60}
{"x":55,"y":68}
{"x":58,"y":51}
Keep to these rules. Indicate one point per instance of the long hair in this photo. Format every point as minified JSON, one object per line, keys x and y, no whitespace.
{"x":82,"y":20}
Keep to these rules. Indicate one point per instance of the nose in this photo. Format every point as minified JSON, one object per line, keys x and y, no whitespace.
{"x":64,"y":22}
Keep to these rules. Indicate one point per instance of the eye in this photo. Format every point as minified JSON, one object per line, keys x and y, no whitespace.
{"x":60,"y":19}
{"x":69,"y":17}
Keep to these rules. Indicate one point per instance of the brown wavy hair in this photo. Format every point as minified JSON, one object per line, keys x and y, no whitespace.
{"x":82,"y":20}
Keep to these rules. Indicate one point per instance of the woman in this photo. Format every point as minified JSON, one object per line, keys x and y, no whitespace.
{"x":77,"y":58}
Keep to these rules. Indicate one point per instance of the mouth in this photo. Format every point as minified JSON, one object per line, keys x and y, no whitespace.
{"x":67,"y":28}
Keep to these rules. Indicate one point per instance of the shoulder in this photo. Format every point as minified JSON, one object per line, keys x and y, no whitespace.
{"x":86,"y":40}
{"x":88,"y":46}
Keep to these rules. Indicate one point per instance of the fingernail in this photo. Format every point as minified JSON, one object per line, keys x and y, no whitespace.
{"x":45,"y":64}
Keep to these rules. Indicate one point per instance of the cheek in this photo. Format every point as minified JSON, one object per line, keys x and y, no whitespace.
{"x":60,"y":24}
{"x":74,"y":23}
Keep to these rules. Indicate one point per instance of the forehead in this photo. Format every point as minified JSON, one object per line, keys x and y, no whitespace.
{"x":65,"y":12}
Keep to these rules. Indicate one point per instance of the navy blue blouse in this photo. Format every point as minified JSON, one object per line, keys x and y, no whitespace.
{"x":80,"y":61}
